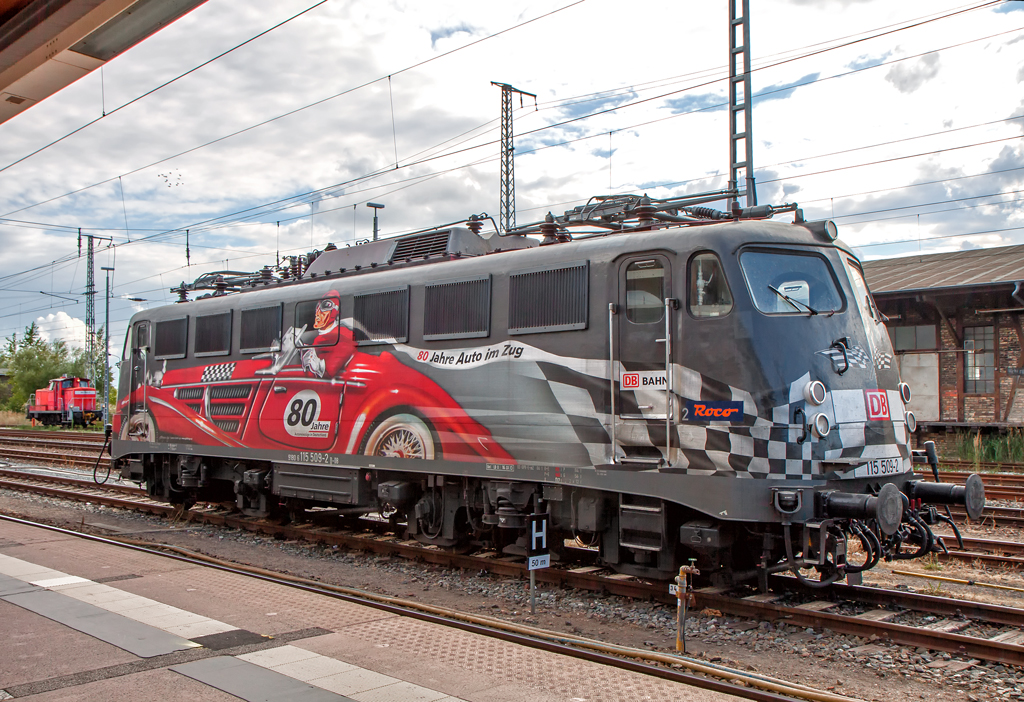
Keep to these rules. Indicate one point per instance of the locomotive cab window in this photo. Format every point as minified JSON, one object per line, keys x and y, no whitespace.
{"x":645,"y":291}
{"x":142,"y":336}
{"x":709,"y":292}
{"x":316,"y":321}
{"x":790,"y":282}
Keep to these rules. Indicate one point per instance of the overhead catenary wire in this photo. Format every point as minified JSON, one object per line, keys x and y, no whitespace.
{"x":160,"y":87}
{"x":317,"y":102}
{"x":557,"y":124}
{"x":384,"y":186}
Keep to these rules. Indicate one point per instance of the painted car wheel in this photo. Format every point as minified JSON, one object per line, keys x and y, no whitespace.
{"x":401,"y":436}
{"x":139,"y":427}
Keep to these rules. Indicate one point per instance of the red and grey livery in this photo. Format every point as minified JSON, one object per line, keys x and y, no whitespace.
{"x":688,"y":384}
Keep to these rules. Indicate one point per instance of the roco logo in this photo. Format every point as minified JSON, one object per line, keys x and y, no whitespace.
{"x":630,"y":380}
{"x":877,"y":404}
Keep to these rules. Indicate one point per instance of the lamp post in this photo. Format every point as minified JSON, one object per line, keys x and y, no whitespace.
{"x":376,"y":206}
{"x":106,"y":352}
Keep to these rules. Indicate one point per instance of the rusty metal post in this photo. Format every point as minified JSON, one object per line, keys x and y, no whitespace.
{"x":683,"y":595}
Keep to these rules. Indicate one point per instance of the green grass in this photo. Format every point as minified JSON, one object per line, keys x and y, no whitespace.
{"x":1002,"y":448}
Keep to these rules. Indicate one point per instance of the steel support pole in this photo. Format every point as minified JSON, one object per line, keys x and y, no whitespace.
{"x":507,"y":196}
{"x":106,"y":352}
{"x":741,"y":103}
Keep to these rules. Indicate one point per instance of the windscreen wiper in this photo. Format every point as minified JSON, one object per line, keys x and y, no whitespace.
{"x":796,"y":303}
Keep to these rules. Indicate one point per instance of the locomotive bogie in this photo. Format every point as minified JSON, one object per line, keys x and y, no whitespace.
{"x":725,"y":392}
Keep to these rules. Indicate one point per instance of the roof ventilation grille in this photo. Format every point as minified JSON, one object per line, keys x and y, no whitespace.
{"x":429,"y":244}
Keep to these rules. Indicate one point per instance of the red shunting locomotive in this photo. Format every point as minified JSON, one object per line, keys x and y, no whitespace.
{"x":67,"y":402}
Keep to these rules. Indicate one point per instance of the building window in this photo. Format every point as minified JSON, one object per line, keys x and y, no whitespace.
{"x":917,"y":338}
{"x":979,"y":360}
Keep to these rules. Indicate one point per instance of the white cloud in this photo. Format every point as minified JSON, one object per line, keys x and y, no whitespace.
{"x":449,"y":101}
{"x":60,"y":326}
{"x":908,"y":77}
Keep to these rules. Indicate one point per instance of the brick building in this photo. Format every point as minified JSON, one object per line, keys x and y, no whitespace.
{"x":955,"y":320}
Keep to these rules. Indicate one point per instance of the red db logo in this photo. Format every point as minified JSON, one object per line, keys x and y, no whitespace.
{"x":877,"y":403}
{"x":630,"y":380}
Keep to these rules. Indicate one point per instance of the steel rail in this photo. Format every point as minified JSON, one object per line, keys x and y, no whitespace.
{"x":914,"y":601}
{"x":389,"y":545}
{"x":984,"y":649}
{"x":633,"y":665}
{"x":55,"y":434}
{"x":50,"y":458}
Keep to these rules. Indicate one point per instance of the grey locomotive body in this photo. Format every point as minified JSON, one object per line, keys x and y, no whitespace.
{"x":725,"y":392}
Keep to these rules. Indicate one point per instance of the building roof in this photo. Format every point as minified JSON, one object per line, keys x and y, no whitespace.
{"x":971,"y":268}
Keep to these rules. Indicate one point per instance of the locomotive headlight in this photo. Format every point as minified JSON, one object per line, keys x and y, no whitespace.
{"x":911,"y":422}
{"x":820,"y":425}
{"x":814,"y":392}
{"x":824,"y":228}
{"x":905,"y":393}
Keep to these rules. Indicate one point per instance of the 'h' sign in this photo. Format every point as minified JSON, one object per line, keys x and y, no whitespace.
{"x":537,"y":554}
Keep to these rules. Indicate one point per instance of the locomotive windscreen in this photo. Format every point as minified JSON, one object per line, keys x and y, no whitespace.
{"x":790,"y":282}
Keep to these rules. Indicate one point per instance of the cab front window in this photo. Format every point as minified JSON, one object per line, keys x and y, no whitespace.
{"x":790,"y":282}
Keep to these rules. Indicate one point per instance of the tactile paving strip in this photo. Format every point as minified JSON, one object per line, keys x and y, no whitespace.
{"x":563,"y":677}
{"x":230,"y":598}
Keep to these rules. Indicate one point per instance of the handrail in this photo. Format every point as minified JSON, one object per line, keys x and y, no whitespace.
{"x":611,"y":370}
{"x":669,"y":304}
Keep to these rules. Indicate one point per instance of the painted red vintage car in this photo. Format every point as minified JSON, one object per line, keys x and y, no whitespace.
{"x":342,"y":401}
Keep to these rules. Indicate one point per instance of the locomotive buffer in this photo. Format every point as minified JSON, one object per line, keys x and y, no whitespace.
{"x":537,"y":554}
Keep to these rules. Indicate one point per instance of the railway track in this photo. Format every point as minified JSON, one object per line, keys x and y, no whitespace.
{"x":860,"y":611}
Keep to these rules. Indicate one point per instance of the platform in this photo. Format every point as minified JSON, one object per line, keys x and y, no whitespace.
{"x":85,"y":620}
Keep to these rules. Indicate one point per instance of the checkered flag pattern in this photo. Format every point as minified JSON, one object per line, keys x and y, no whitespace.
{"x":563,"y":416}
{"x":856,"y":357}
{"x":883,"y":361}
{"x":220,"y":371}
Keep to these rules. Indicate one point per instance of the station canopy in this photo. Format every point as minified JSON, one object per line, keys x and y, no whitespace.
{"x":46,"y":45}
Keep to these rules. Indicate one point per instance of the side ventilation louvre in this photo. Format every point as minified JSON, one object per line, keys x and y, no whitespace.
{"x":548,"y":299}
{"x":420,"y":245}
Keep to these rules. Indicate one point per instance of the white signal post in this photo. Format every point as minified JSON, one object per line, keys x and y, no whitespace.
{"x":537,"y":555}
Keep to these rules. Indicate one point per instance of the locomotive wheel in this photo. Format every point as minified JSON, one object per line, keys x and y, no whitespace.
{"x":401,"y":436}
{"x":139,"y":427}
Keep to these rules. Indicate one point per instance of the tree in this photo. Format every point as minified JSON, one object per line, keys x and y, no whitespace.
{"x":32,"y":363}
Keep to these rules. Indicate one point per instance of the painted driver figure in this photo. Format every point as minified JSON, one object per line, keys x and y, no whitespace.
{"x":325,"y":360}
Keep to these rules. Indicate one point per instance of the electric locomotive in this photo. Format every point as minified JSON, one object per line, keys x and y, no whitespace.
{"x":676,"y":382}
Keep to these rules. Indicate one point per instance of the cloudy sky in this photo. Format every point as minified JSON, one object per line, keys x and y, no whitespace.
{"x":902,"y":121}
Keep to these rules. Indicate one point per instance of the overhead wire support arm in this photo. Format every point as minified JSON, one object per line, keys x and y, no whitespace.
{"x":507,"y":196}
